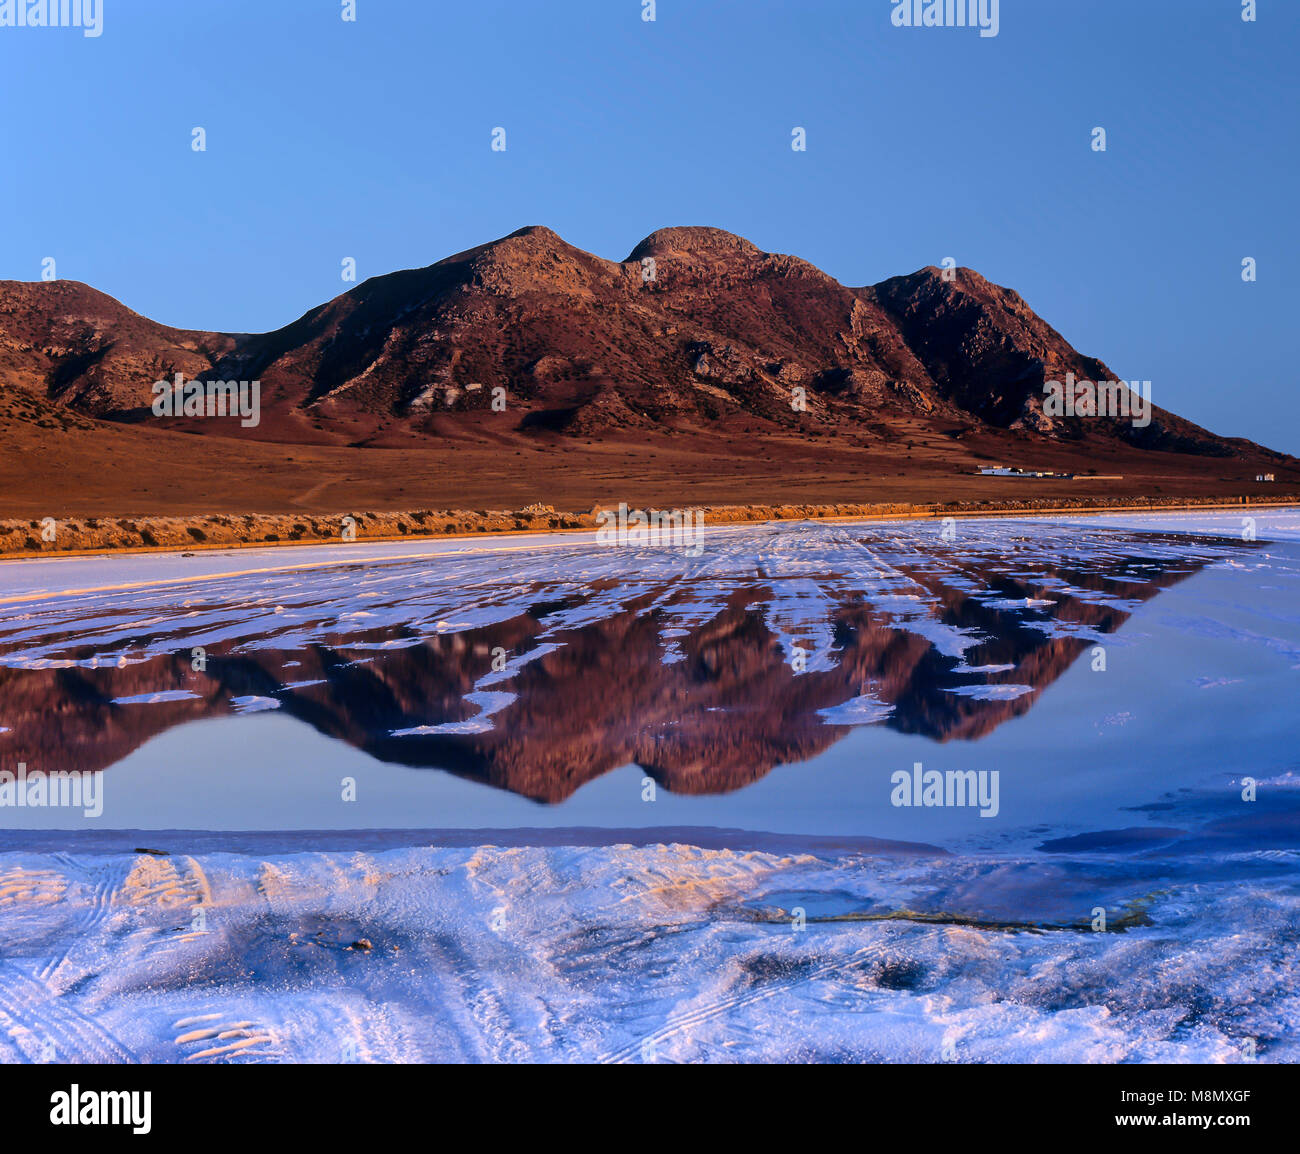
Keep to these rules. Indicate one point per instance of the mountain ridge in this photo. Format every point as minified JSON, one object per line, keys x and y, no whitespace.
{"x":695,"y":318}
{"x":697,"y":333}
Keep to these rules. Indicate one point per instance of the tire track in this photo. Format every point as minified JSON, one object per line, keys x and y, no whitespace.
{"x":106,"y":878}
{"x":31,"y":1007}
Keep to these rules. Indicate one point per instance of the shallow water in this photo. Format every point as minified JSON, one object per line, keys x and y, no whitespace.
{"x":776,"y":683}
{"x":1125,"y":678}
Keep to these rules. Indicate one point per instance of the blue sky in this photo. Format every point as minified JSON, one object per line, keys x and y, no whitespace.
{"x":372,"y":140}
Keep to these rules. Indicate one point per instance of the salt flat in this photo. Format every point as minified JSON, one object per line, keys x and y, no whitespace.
{"x":1133,"y":898}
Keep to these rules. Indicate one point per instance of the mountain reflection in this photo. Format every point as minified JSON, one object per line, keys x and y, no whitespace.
{"x":592,"y":674}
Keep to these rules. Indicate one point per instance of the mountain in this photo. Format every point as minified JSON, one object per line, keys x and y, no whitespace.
{"x":696,"y":333}
{"x":66,"y":343}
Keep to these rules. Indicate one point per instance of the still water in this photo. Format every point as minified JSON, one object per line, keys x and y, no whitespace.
{"x":1112,"y":676}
